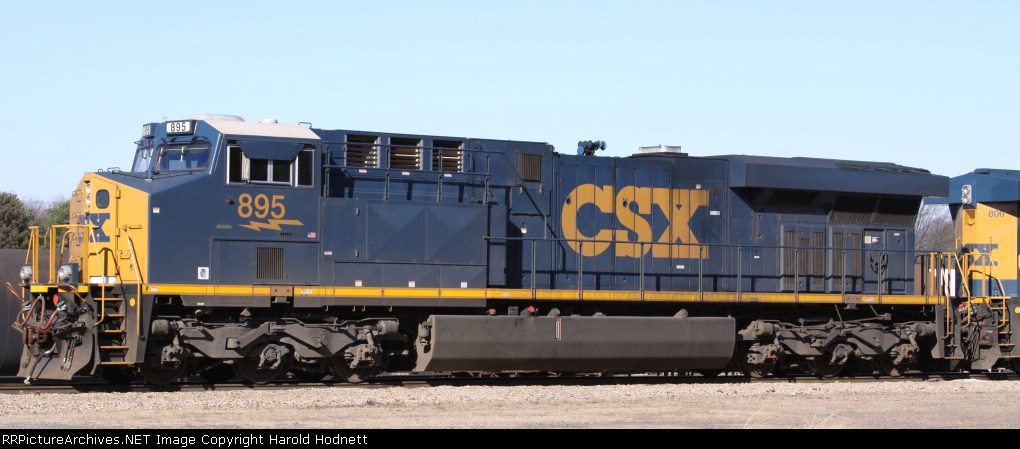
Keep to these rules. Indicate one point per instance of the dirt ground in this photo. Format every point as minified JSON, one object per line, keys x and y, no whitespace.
{"x":904,"y":404}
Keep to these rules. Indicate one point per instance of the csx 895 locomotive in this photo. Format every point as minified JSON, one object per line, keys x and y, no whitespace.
{"x":262,"y":250}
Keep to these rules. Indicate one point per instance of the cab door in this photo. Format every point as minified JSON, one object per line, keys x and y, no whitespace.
{"x":276,"y":195}
{"x":876,"y":261}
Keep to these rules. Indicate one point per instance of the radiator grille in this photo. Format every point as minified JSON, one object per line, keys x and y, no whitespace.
{"x":897,"y":211}
{"x":362,"y":151}
{"x":837,"y":255}
{"x":853,"y":210}
{"x":447,"y":156}
{"x":405,"y":154}
{"x":530,"y":166}
{"x":818,"y":261}
{"x":856,"y":258}
{"x":269,"y":263}
{"x":789,"y":259}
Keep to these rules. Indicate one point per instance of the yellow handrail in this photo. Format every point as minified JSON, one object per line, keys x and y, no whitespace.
{"x":138,"y":285}
{"x":102,"y":278}
{"x":33,"y":252}
{"x":14,"y":292}
{"x":991,"y":273}
{"x":954,"y":260}
{"x":54,"y":247}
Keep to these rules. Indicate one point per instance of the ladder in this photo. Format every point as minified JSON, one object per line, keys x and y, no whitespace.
{"x":111,"y":331}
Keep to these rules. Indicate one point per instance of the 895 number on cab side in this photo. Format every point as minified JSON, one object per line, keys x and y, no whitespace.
{"x":260,"y":206}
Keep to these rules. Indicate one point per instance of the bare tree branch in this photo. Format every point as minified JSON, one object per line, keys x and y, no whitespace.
{"x":934,"y":229}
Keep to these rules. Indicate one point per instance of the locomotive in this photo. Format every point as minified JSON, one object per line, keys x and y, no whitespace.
{"x":262,"y":250}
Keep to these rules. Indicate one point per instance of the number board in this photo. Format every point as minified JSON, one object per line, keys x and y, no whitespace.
{"x":179,"y":127}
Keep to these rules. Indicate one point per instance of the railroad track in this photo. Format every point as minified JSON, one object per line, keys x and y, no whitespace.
{"x":14,"y":385}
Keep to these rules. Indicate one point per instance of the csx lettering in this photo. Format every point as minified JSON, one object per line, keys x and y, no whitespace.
{"x":981,"y":254}
{"x":98,"y":220}
{"x":678,"y":205}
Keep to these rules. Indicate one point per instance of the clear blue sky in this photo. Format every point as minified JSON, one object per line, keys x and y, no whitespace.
{"x":931,"y":84}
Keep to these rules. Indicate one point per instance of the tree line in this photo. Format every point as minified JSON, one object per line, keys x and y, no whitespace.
{"x":16,"y":216}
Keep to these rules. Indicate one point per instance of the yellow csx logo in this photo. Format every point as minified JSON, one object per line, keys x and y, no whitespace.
{"x":678,"y":205}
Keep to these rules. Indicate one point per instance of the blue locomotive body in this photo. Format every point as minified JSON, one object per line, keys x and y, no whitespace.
{"x":258,"y":249}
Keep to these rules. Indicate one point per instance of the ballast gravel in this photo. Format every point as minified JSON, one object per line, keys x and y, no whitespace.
{"x":902,"y":404}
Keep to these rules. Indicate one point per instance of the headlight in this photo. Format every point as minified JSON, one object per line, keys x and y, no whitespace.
{"x":66,"y":273}
{"x":26,"y":273}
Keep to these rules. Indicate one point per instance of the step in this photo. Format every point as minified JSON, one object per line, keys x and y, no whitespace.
{"x":113,"y":348}
{"x":115,"y":363}
{"x":114,"y":315}
{"x":112,"y":331}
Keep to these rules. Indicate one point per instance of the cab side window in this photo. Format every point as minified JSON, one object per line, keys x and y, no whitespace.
{"x":241,"y":169}
{"x":304,"y":168}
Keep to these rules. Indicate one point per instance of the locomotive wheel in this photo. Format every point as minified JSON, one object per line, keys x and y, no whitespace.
{"x":757,"y":361}
{"x":709,"y":372}
{"x":343,"y":371}
{"x":154,"y":373}
{"x":889,"y":368}
{"x":249,"y":370}
{"x":218,"y":373}
{"x":756,"y":370}
{"x":824,"y":367}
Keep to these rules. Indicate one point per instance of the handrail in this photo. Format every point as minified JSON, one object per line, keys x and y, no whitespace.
{"x":33,"y":252}
{"x":701,"y":274}
{"x":965,"y":286}
{"x":14,"y":292}
{"x":990,"y":274}
{"x":534,"y":267}
{"x":927,"y":282}
{"x":580,"y":271}
{"x":796,"y":275}
{"x":56,"y":252}
{"x":641,"y":275}
{"x":740,"y":278}
{"x":964,"y":269}
{"x":138,"y":284}
{"x":469,"y":153}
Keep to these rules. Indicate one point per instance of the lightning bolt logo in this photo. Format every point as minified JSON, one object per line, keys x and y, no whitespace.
{"x":273,"y":224}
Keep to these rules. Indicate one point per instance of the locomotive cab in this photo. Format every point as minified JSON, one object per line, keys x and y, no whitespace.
{"x":132,"y":232}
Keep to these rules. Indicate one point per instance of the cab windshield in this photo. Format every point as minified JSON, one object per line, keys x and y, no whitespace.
{"x":142,"y":158}
{"x":179,"y":157}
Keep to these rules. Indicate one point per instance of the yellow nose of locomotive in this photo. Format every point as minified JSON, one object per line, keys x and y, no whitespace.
{"x":110,"y":237}
{"x":985,"y":211}
{"x":86,"y":302}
